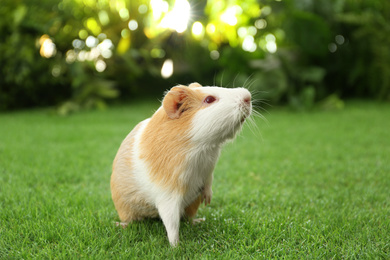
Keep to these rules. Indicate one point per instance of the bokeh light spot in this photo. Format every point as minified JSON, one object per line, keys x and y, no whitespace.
{"x":48,"y":48}
{"x":142,"y":9}
{"x":340,"y":39}
{"x":100,"y":65}
{"x":167,"y":69}
{"x":133,"y":25}
{"x":261,"y":24}
{"x":210,"y":28}
{"x":83,"y":34}
{"x":124,"y":14}
{"x":332,"y":47}
{"x":249,"y":44}
{"x":157,"y":53}
{"x":198,"y":30}
{"x":229,"y":16}
{"x":214,"y":55}
{"x":91,"y":41}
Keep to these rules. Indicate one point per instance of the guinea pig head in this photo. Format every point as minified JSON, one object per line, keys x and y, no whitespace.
{"x":213,"y":114}
{"x":222,"y":114}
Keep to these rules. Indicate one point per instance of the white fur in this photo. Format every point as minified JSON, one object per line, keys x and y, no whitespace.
{"x":220,"y":120}
{"x":199,"y":173}
{"x":141,"y":170}
{"x":211,"y":127}
{"x":168,"y":205}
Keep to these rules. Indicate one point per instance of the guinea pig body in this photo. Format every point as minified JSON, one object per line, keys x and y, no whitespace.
{"x":164,"y":167}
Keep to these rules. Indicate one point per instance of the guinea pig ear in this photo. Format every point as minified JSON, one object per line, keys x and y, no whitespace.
{"x":195,"y":85}
{"x":173,"y":101}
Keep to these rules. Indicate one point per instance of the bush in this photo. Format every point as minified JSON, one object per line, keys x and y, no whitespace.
{"x":78,"y":54}
{"x":25,"y":78}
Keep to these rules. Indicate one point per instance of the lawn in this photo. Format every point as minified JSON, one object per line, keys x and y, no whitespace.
{"x":304,"y":185}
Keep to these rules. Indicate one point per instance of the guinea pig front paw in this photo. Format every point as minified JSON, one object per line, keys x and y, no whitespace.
{"x":122,"y":224}
{"x":207,"y":194}
{"x":198,"y":220}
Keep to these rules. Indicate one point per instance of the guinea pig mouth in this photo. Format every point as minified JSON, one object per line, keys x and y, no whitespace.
{"x":243,"y":118}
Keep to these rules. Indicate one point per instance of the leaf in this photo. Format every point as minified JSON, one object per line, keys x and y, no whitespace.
{"x":309,"y":31}
{"x":313,"y":74}
{"x":67,"y":108}
{"x":19,"y":14}
{"x":106,"y":90}
{"x":332,"y":102}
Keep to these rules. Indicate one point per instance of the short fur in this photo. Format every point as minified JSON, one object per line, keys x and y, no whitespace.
{"x":164,"y":166}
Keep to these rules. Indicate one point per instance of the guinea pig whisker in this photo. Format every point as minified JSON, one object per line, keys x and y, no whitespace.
{"x":234,"y":81}
{"x":261,"y":116}
{"x":250,"y":82}
{"x":254,"y":128}
{"x":221,"y":84}
{"x":263,"y":101}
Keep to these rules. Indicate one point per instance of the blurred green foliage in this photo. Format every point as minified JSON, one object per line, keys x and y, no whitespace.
{"x":80,"y":53}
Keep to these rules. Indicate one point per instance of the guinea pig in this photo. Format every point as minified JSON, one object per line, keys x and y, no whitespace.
{"x":164,"y":167}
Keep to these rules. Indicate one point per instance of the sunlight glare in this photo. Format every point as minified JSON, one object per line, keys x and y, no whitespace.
{"x":249,"y":44}
{"x":48,"y":48}
{"x":210,"y":28}
{"x":167,"y":69}
{"x":158,"y":8}
{"x":178,"y":18}
{"x":229,"y":16}
{"x":197,"y":30}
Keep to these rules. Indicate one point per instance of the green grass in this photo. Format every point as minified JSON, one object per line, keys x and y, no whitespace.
{"x":307,"y":185}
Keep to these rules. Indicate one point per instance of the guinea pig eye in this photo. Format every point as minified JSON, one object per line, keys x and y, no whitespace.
{"x":209,"y":99}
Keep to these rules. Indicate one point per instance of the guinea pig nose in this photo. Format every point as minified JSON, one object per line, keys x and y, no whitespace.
{"x":247,"y":100}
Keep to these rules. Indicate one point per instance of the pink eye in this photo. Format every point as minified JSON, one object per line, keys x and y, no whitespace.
{"x":209,"y":99}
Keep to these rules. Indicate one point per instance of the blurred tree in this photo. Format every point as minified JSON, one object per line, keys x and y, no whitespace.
{"x":79,"y":53}
{"x":24,"y":79}
{"x":360,"y":64}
